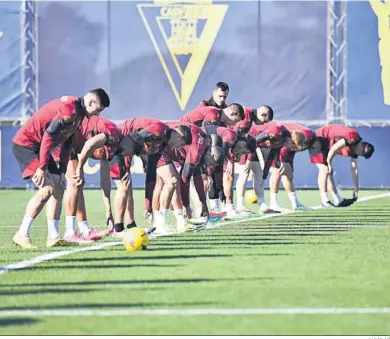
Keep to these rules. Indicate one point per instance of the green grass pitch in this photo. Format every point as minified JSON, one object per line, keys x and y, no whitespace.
{"x":323,"y":259}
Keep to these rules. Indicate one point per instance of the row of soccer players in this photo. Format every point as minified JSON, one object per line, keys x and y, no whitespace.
{"x":63,"y":134}
{"x":55,"y":143}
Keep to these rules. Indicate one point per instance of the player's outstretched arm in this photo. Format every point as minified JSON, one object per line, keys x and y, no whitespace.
{"x":98,"y":141}
{"x":334,"y":150}
{"x":261,"y":158}
{"x":89,"y":147}
{"x":105,"y":185}
{"x":355,"y":177}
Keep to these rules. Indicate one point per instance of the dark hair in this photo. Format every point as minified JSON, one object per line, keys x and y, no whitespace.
{"x":368,"y":149}
{"x":222,"y":85}
{"x":270,"y":112}
{"x":102,"y":96}
{"x":185,"y":132}
{"x":240,"y":109}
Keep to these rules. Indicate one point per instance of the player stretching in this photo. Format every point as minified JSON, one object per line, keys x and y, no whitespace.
{"x":149,"y":161}
{"x":172,"y":136}
{"x":332,"y":140}
{"x":304,"y":137}
{"x":258,"y":116}
{"x":74,"y":196}
{"x":53,"y":124}
{"x":184,"y":160}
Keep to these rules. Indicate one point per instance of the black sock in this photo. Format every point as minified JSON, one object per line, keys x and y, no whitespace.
{"x":131,"y":225}
{"x":119,"y":227}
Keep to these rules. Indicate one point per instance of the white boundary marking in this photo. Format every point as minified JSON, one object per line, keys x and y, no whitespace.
{"x":191,"y":312}
{"x":54,"y":255}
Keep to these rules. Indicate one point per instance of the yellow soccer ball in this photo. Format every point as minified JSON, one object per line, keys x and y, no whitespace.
{"x":250,"y":197}
{"x":135,"y":239}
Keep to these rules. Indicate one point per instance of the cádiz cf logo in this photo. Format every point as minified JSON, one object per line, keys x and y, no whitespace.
{"x":182,"y":35}
{"x":382,"y":11}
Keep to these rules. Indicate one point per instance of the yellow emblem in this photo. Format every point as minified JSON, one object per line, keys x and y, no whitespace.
{"x":176,"y":28}
{"x":382,"y":11}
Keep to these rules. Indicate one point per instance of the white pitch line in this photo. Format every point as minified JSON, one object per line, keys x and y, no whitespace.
{"x":54,"y":255}
{"x":190,"y":312}
{"x":371,"y":197}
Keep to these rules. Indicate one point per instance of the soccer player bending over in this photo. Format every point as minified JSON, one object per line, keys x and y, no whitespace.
{"x":149,"y":161}
{"x":174,"y":137}
{"x":259,"y":116}
{"x":302,"y":138}
{"x":74,"y":196}
{"x":330,"y":141}
{"x":177,"y":168}
{"x":227,"y":116}
{"x":53,"y":124}
{"x":270,"y":137}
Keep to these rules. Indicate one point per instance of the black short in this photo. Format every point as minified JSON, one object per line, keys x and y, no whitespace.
{"x":28,"y":160}
{"x":264,"y":151}
{"x":318,"y":151}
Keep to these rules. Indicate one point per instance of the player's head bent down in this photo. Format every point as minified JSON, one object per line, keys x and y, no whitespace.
{"x":220,"y":93}
{"x":363,"y":149}
{"x":232,"y":114}
{"x":299,"y":141}
{"x":263,"y":114}
{"x":179,"y":136}
{"x":95,"y":101}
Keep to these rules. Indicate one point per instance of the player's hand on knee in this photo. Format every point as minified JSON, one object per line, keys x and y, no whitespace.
{"x":79,"y":177}
{"x":282,"y":169}
{"x":330,"y":169}
{"x":39,"y":177}
{"x":125,"y":180}
{"x":229,"y":168}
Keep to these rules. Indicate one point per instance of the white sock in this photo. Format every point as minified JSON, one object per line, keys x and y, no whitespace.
{"x":84,"y":227}
{"x":70,"y":225}
{"x":337,"y":198}
{"x":228,"y":207}
{"x":293,"y":199}
{"x":26,"y":225}
{"x":214,"y":204}
{"x":179,"y":217}
{"x":240,"y":203}
{"x":178,"y":212}
{"x":324,"y":197}
{"x":53,"y":229}
{"x":164,"y":214}
{"x":273,"y":201}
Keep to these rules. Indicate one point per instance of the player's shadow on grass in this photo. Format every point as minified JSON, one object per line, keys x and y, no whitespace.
{"x":132,"y":258}
{"x":136,"y":282}
{"x":76,"y":306}
{"x":91,"y":266}
{"x":265,"y":236}
{"x":6,"y":322}
{"x":44,"y":291}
